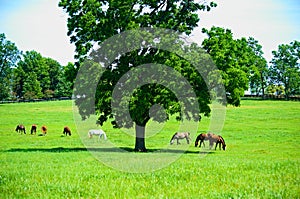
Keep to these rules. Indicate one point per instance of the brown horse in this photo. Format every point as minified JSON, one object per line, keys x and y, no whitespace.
{"x":21,"y":128}
{"x":179,"y":136}
{"x":212,"y":138}
{"x":67,"y":131}
{"x":33,"y":129}
{"x":44,"y":130}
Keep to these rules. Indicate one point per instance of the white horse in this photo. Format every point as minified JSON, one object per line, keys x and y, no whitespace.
{"x":178,"y":136}
{"x":97,"y":132}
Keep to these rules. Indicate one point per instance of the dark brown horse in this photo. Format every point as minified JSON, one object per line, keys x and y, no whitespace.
{"x":33,"y":129}
{"x":67,"y":131}
{"x":21,"y":128}
{"x":212,"y":138}
{"x":44,"y":130}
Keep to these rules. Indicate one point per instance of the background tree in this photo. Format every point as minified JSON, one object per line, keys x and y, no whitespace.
{"x":236,"y":58}
{"x":34,"y":62}
{"x":32,"y":88}
{"x":66,"y":79}
{"x":259,"y":71}
{"x":285,"y":67}
{"x":94,"y":21}
{"x":18,"y":80}
{"x":54,"y":70}
{"x":9,"y":56}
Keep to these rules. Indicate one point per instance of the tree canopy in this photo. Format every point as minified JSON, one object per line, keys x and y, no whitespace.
{"x":240,"y":60}
{"x":285,"y":67}
{"x":37,"y":77}
{"x":9,"y":56}
{"x":92,"y":21}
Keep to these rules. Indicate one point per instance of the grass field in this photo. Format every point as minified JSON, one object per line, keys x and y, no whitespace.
{"x":262,"y":159}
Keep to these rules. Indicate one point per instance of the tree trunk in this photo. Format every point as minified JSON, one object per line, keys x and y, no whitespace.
{"x":262,"y":85}
{"x":140,"y":139}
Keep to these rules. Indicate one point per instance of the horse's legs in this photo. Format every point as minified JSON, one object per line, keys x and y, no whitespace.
{"x":187,"y":140}
{"x":211,"y":143}
{"x":202,"y":141}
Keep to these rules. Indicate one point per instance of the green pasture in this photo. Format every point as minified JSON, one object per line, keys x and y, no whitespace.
{"x":262,"y":158}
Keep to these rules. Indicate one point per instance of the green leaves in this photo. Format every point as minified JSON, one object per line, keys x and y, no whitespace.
{"x":9,"y":56}
{"x":237,"y":59}
{"x":92,"y":21}
{"x":285,"y":67}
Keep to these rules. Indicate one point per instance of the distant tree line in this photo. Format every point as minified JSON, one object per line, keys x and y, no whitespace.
{"x":29,"y":75}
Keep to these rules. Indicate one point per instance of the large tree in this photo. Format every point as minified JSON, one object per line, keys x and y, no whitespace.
{"x":92,"y":21}
{"x":285,"y":67}
{"x":9,"y":56}
{"x":238,"y":59}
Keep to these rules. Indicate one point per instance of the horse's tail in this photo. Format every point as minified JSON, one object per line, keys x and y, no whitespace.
{"x":172,"y":139}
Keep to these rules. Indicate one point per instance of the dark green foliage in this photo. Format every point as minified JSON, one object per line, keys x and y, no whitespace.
{"x":9,"y":56}
{"x":92,"y":21}
{"x":66,"y":78}
{"x":285,"y":68}
{"x":38,"y":77}
{"x":240,"y":61}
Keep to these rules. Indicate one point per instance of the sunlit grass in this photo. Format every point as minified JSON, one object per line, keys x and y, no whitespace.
{"x":261,"y":160}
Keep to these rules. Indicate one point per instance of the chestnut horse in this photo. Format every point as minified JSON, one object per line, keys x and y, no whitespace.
{"x":212,"y":138}
{"x":179,"y":136}
{"x":21,"y":128}
{"x":67,"y":131}
{"x":33,"y":129}
{"x":44,"y":130}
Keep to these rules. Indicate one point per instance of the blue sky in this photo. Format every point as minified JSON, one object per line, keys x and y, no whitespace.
{"x":41,"y":25}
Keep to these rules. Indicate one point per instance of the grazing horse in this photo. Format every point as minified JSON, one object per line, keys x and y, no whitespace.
{"x":221,"y":141}
{"x":97,"y":132}
{"x":33,"y":129}
{"x":44,"y":130}
{"x":67,"y":131}
{"x":212,"y":138}
{"x":21,"y":128}
{"x":179,"y":136}
{"x":201,"y":137}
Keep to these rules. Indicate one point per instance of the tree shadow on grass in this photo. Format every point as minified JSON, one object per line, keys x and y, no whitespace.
{"x":109,"y":150}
